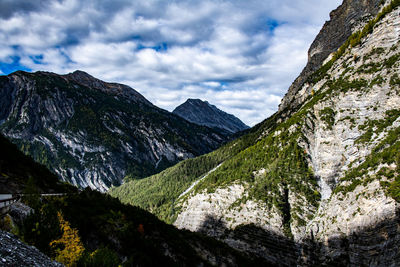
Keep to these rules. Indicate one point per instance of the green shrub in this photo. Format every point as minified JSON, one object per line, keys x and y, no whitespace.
{"x":101,"y":257}
{"x":328,"y":115}
{"x":394,"y":80}
{"x":390,"y":62}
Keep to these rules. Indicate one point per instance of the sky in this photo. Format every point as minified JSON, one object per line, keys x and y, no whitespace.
{"x":240,"y":55}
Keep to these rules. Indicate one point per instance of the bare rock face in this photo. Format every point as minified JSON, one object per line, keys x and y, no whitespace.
{"x":343,"y":21}
{"x":19,"y":211}
{"x":15,"y":253}
{"x":201,"y":207}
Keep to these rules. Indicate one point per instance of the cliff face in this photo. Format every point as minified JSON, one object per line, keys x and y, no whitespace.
{"x":202,"y":113}
{"x":343,"y":22}
{"x":318,"y":182}
{"x":93,"y":133}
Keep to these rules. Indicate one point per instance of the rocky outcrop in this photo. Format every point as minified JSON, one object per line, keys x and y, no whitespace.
{"x":343,"y":22}
{"x":19,"y":211}
{"x":360,"y":228}
{"x":219,"y":205}
{"x":15,"y":253}
{"x":202,"y":113}
{"x":93,"y":133}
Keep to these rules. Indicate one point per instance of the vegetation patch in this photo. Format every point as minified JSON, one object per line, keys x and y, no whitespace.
{"x":369,"y":68}
{"x":328,"y":116}
{"x":386,"y":152}
{"x":372,"y":127}
{"x":378,"y":80}
{"x":390,"y":62}
{"x":394,"y":80}
{"x":92,"y":229}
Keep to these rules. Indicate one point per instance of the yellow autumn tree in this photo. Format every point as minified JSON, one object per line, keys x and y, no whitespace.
{"x":69,"y":247}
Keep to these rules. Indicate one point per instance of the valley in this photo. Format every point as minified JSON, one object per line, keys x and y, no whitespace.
{"x":315,"y":184}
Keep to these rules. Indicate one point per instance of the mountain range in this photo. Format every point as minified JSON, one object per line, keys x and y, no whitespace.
{"x":93,"y":133}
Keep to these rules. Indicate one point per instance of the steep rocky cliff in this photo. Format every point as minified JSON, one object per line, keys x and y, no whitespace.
{"x":344,"y":20}
{"x":203,"y":113}
{"x":93,"y":133}
{"x":318,"y":182}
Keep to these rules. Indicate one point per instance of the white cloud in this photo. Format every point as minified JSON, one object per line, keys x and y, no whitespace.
{"x":239,"y":55}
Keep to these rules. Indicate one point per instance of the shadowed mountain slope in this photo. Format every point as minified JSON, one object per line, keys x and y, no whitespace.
{"x":203,"y":113}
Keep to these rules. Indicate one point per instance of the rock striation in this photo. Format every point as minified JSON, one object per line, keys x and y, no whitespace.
{"x":93,"y":133}
{"x":203,"y":113}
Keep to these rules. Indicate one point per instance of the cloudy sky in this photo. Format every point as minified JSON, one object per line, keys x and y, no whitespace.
{"x":240,"y":55}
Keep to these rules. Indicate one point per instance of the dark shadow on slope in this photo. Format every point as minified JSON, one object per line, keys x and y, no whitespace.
{"x":277,"y":250}
{"x":369,"y":246}
{"x":16,"y":169}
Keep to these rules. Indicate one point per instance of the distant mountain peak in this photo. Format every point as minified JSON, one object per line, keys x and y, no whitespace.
{"x":81,"y":73}
{"x":203,"y":113}
{"x":117,"y":89}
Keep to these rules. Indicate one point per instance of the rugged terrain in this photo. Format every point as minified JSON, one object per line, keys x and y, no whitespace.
{"x":94,"y":133}
{"x":318,"y":182}
{"x":90,"y":228}
{"x":15,"y":253}
{"x":344,"y":20}
{"x":203,"y":113}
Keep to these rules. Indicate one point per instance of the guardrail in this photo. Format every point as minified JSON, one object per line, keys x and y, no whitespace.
{"x":7,"y":202}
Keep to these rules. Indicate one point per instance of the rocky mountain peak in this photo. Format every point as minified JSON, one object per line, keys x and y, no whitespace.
{"x":343,"y":22}
{"x":117,"y":89}
{"x":82,"y":75}
{"x":203,"y":113}
{"x":197,"y":101}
